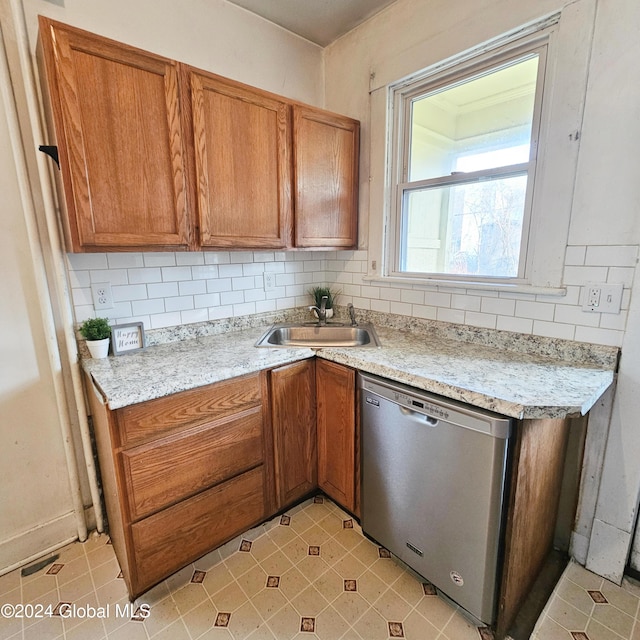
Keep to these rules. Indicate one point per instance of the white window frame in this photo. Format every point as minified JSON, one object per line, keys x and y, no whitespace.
{"x":570,"y":39}
{"x":403,"y":94}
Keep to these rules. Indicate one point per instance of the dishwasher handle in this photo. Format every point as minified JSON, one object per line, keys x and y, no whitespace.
{"x":418,"y":417}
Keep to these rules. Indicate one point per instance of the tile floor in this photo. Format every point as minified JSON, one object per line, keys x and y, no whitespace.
{"x":310,"y":574}
{"x":587,"y":607}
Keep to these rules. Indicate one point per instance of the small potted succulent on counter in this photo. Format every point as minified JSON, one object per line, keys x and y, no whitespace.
{"x":332,"y":295}
{"x":97,"y":333}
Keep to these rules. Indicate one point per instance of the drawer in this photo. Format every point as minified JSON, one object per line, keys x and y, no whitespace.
{"x":148,"y":420}
{"x":163,"y":472}
{"x":167,"y":541}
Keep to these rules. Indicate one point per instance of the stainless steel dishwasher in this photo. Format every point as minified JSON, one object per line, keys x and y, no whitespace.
{"x":433,"y":487}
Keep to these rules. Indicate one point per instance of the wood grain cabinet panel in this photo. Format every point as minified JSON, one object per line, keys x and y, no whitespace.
{"x":293,"y":416}
{"x":242,"y":164}
{"x":184,"y":474}
{"x":170,"y":539}
{"x":116,"y":112}
{"x":162,"y":473}
{"x":325,"y":151}
{"x":336,"y":420}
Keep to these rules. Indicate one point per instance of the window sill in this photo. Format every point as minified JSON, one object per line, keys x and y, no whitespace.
{"x":501,"y":287}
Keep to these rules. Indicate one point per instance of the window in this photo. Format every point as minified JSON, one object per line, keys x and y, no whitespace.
{"x":464,"y":171}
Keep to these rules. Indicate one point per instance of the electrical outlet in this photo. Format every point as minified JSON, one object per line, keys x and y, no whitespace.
{"x":102,"y":297}
{"x":269,"y":281}
{"x":602,"y":298}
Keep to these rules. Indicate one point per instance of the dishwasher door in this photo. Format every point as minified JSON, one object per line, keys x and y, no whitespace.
{"x":433,"y":485}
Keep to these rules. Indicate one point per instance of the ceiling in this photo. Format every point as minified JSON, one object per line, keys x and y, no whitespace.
{"x":320,"y":21}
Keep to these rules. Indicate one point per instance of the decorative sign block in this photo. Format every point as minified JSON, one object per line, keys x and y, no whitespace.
{"x":126,"y":338}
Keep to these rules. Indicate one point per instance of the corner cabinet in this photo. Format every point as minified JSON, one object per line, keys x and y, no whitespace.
{"x":338,"y":453}
{"x":325,"y":151}
{"x":183,"y":474}
{"x":293,"y":416}
{"x":157,"y":155}
{"x":116,"y":113}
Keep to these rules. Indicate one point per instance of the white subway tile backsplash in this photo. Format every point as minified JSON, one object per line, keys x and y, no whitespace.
{"x":576,"y":316}
{"x":207,"y":300}
{"x":285,"y":303}
{"x":194,"y":315}
{"x":124,"y":260}
{"x":161,"y":320}
{"x":486,"y":320}
{"x":621,"y":275}
{"x":87,"y":261}
{"x":82,"y":296}
{"x":216,"y":257}
{"x":244,"y":309}
{"x":312,"y":265}
{"x":215,"y":313}
{"x":180,"y":303}
{"x":294,"y":267}
{"x":113,"y":276}
{"x":498,"y":306}
{"x":617,"y":321}
{"x":443,"y":314}
{"x":127,"y":292}
{"x":582,"y":275}
{"x":240,"y":257}
{"x":599,"y":336}
{"x":285,"y":279}
{"x":264,"y":306}
{"x":219,"y":285}
{"x":192,"y":287}
{"x":204,"y":272}
{"x":147,"y":307}
{"x":390,"y":294}
{"x":612,"y":256}
{"x":426,"y":312}
{"x":465,"y":302}
{"x":253,"y":295}
{"x":263,"y":256}
{"x":534,"y":310}
{"x":145,"y":275}
{"x":245,"y":282}
{"x":511,"y":323}
{"x":553,"y":330}
{"x":252,"y":269}
{"x":79,"y":279}
{"x":401,"y":308}
{"x":176,"y":273}
{"x":437,"y":299}
{"x":189,"y":258}
{"x":229,"y":297}
{"x":159,"y":259}
{"x":412,"y":296}
{"x":575,"y":255}
{"x":230,"y":270}
{"x":162,"y":290}
{"x":383,"y":306}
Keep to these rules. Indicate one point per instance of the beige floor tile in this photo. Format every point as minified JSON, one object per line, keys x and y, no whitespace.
{"x":262,"y":633}
{"x":81,"y":586}
{"x":331,"y":524}
{"x":200,"y":619}
{"x":244,"y":621}
{"x":99,"y":554}
{"x":459,"y":628}
{"x":218,"y":578}
{"x":161,"y":616}
{"x":372,"y":626}
{"x":332,"y":551}
{"x":105,"y":572}
{"x":240,"y":563}
{"x":75,"y":568}
{"x":310,"y":602}
{"x":366,"y":552}
{"x":216,"y":633}
{"x":263,"y":547}
{"x":581,"y":576}
{"x":436,"y":610}
{"x":315,"y":535}
{"x":129,"y":631}
{"x":330,"y":624}
{"x":349,"y":567}
{"x":312,"y":567}
{"x":392,"y":607}
{"x":296,"y":550}
{"x":548,"y":629}
{"x":292,"y":582}
{"x":330,"y":585}
{"x":37,"y":588}
{"x":621,"y":598}
{"x":614,"y":619}
{"x":575,"y":594}
{"x":300,"y":522}
{"x":208,"y":561}
{"x":268,"y":602}
{"x":351,"y":606}
{"x":10,"y":581}
{"x":175,"y":631}
{"x":44,"y":629}
{"x":276,"y":564}
{"x":596,"y":631}
{"x":370,"y":586}
{"x":409,"y":588}
{"x":417,"y":628}
{"x":282,"y":535}
{"x":285,"y":623}
{"x":90,"y":629}
{"x":567,"y":615}
{"x":253,"y":581}
{"x":229,"y":599}
{"x":189,"y":597}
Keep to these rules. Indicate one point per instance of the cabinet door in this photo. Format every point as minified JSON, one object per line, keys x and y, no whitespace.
{"x":336,"y":405}
{"x":118,"y":125}
{"x":326,"y":178}
{"x":293,"y":405}
{"x":242,"y":164}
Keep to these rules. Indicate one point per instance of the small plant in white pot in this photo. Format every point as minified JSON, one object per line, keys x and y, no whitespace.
{"x":97,"y":332}
{"x":317,"y":293}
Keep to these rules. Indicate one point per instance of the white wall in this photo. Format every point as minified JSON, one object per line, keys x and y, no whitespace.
{"x":36,"y":509}
{"x":604,"y":228}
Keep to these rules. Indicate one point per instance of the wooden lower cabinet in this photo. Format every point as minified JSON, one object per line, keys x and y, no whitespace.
{"x":184,"y":474}
{"x":337,"y":435}
{"x":293,"y":415}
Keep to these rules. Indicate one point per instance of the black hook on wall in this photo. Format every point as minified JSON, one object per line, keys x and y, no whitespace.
{"x":51,"y":151}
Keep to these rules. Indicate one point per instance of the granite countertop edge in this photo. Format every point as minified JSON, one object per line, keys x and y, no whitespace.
{"x":511,"y":383}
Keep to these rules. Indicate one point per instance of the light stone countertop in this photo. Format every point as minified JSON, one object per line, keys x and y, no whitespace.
{"x":512,"y":383}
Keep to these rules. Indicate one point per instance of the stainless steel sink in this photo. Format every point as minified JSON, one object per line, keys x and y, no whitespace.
{"x":315,"y":336}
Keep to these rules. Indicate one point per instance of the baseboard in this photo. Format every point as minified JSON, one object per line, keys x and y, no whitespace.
{"x":37,"y":542}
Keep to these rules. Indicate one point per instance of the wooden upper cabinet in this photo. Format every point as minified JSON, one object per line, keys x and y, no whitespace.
{"x":325,"y":148}
{"x":118,"y":126}
{"x":242,"y":164}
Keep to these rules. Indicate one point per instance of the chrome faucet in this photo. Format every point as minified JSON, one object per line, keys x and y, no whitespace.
{"x":322,"y":311}
{"x":352,"y":314}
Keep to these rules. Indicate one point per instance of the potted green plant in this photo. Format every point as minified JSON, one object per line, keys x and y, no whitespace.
{"x":97,"y":332}
{"x":332,"y":295}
